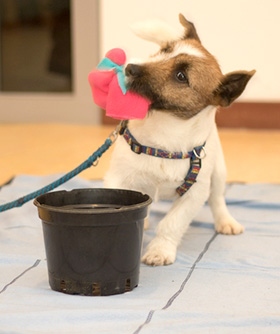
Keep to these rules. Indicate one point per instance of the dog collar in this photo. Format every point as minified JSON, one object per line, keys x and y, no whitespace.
{"x":195,"y":156}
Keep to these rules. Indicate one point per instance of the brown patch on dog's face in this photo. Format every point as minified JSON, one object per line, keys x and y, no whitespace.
{"x":179,"y":83}
{"x":166,"y":48}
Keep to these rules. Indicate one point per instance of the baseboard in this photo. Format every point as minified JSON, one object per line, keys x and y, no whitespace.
{"x":249,"y":115}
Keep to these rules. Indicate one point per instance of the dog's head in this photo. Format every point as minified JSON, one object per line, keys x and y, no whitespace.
{"x":183,"y":77}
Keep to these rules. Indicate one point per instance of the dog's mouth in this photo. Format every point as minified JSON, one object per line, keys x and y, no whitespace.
{"x":143,"y":88}
{"x":137,"y":84}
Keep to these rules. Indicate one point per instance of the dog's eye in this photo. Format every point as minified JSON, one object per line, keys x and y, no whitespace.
{"x":180,"y":76}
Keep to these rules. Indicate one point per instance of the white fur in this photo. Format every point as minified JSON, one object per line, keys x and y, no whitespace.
{"x":160,"y":177}
{"x":181,"y":47}
{"x":187,"y":49}
{"x":160,"y":32}
{"x":156,"y":31}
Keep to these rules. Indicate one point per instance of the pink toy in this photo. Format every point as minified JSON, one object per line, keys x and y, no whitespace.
{"x":109,"y":91}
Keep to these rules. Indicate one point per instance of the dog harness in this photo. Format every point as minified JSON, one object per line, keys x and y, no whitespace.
{"x":195,"y":156}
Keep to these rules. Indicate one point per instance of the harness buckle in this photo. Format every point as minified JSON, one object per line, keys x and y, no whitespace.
{"x":195,"y":162}
{"x":136,"y":148}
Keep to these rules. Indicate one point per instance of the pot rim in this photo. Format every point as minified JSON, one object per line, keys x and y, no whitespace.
{"x":60,"y":209}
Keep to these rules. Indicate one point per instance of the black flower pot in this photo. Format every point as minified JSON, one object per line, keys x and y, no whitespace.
{"x":93,"y":239}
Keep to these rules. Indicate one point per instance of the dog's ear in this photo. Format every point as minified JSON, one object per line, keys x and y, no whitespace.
{"x":156,"y":31}
{"x":190,"y":31}
{"x":232,"y":86}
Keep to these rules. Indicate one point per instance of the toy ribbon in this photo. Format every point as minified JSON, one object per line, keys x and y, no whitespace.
{"x":108,"y":64}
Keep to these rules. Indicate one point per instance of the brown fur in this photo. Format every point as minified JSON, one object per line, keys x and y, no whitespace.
{"x":205,"y":84}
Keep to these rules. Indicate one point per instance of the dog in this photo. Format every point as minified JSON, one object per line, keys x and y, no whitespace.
{"x":185,"y":85}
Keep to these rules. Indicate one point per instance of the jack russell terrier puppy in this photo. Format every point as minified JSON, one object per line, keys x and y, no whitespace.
{"x":175,"y":151}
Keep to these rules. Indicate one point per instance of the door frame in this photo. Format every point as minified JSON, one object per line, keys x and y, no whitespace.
{"x":76,"y":106}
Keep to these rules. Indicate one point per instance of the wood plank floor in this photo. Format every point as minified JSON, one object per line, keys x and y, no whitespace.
{"x":40,"y":149}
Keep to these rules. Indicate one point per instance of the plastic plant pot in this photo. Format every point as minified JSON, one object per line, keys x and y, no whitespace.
{"x":93,"y":239}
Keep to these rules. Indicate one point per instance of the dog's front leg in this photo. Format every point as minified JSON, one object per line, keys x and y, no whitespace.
{"x":224,"y":222}
{"x":162,"y":249}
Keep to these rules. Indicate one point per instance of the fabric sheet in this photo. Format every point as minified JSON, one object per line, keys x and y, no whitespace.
{"x":218,"y":284}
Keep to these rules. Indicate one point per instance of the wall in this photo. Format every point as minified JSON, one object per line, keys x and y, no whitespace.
{"x":242,"y":34}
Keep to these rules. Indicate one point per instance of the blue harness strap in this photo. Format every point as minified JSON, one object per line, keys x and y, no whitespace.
{"x":190,"y":179}
{"x":194,"y":156}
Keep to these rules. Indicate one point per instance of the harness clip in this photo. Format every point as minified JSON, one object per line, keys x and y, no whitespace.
{"x":200,"y":156}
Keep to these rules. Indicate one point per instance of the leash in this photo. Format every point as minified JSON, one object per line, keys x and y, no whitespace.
{"x":195,"y":157}
{"x":91,"y":161}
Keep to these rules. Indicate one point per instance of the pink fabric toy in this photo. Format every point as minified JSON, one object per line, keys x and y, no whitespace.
{"x":109,"y":91}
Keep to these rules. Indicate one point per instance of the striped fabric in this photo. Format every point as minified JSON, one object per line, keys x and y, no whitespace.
{"x":190,"y":179}
{"x":155,"y":152}
{"x":195,"y":163}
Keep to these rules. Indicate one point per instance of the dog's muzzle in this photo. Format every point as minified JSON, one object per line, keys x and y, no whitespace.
{"x":133,"y":70}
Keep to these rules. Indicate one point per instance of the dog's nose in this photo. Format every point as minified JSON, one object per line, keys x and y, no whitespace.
{"x":133,"y":70}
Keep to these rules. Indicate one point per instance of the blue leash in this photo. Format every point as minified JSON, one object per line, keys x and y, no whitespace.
{"x":91,"y":161}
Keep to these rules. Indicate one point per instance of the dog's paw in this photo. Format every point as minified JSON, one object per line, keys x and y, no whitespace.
{"x":159,"y":252}
{"x":229,"y":226}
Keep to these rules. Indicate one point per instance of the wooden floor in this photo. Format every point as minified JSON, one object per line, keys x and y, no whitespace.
{"x":40,"y":149}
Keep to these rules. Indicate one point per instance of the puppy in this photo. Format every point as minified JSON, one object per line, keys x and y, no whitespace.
{"x":185,"y":85}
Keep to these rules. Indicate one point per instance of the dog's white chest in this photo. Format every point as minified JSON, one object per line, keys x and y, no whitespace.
{"x":173,"y":170}
{"x":155,"y":175}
